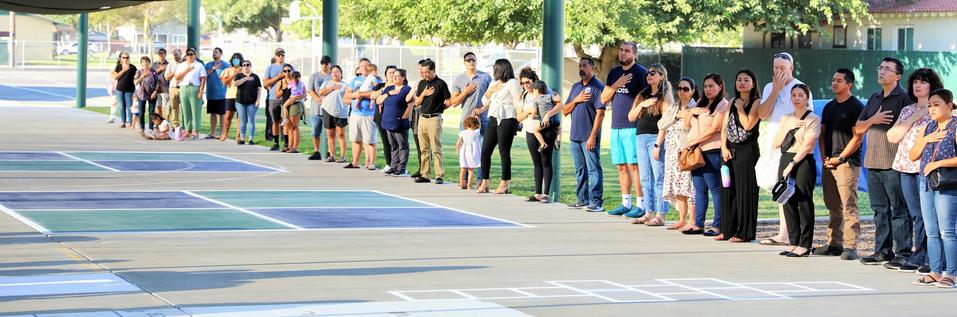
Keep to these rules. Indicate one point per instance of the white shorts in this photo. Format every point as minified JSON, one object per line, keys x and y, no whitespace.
{"x":362,"y":129}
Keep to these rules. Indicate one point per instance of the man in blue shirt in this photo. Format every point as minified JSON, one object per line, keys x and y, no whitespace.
{"x":624,"y":84}
{"x":587,"y":111}
{"x":362,"y":127}
{"x":215,"y":93}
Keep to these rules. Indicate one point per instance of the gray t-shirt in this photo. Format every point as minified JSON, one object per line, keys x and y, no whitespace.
{"x":482,"y":81}
{"x":315,"y":82}
{"x":333,"y":102}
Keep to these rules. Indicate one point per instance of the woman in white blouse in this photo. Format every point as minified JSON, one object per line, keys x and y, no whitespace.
{"x":503,"y":101}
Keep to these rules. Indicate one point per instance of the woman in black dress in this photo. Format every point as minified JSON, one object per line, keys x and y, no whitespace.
{"x":739,"y":210}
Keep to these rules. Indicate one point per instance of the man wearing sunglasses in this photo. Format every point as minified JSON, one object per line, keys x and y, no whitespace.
{"x":273,"y":99}
{"x":315,"y":81}
{"x":160,"y":65}
{"x":467,"y":91}
{"x":191,"y":75}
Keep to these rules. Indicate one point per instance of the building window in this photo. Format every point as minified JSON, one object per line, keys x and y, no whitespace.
{"x":840,"y":37}
{"x":874,"y":39}
{"x":179,"y":38}
{"x":905,"y":39}
{"x":806,"y":40}
{"x":777,"y":40}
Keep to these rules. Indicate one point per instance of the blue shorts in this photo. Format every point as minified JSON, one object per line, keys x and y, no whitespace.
{"x":624,"y":148}
{"x":316,"y":123}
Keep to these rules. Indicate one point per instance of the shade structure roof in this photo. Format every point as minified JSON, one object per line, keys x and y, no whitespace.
{"x":65,"y":6}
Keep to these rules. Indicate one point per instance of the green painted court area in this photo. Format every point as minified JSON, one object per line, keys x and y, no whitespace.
{"x":147,"y":220}
{"x":49,"y":166}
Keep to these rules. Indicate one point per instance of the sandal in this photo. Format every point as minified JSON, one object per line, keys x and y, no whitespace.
{"x":642,"y":219}
{"x":946,"y":282}
{"x":738,"y":240}
{"x":771,"y":241}
{"x":926,"y":281}
{"x":720,"y":237}
{"x":654,"y":222}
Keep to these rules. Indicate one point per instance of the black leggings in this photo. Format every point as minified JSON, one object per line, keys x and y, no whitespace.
{"x":542,"y":161}
{"x":501,"y":135}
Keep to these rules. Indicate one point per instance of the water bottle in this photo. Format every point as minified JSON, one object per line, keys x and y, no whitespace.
{"x":725,"y":176}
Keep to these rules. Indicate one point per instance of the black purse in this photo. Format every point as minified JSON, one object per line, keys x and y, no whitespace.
{"x":789,"y":139}
{"x":943,"y":178}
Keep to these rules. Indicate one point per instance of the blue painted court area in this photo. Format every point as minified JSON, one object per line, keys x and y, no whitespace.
{"x":27,"y":161}
{"x":177,"y":211}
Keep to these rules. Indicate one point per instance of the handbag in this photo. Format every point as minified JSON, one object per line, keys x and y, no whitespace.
{"x":691,"y":158}
{"x":783,"y":190}
{"x":943,"y":178}
{"x":789,"y":139}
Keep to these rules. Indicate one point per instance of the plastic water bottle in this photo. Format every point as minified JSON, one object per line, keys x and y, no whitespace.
{"x":725,"y":176}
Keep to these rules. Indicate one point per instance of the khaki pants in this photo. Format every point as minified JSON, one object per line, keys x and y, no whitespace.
{"x":840,"y":197}
{"x":430,"y":140}
{"x":172,"y":108}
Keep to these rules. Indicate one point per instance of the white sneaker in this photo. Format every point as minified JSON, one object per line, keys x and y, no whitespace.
{"x":387,"y":169}
{"x":371,"y":167}
{"x":111,"y":120}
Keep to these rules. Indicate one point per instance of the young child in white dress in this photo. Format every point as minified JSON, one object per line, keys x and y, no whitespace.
{"x":469,"y":148}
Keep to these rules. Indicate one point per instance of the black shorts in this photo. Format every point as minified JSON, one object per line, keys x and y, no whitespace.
{"x":231,"y":105}
{"x":216,"y":106}
{"x":275,"y":108}
{"x":330,"y":122}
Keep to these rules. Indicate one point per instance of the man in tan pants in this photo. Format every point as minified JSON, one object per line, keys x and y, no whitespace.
{"x":840,"y":148}
{"x":431,"y":98}
{"x":172,"y":108}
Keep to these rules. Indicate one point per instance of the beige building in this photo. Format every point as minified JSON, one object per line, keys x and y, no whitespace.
{"x":36,"y":35}
{"x":924,"y":25}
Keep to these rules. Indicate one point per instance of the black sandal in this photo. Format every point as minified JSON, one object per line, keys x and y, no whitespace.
{"x":532,"y":199}
{"x":946,"y":282}
{"x":926,"y":281}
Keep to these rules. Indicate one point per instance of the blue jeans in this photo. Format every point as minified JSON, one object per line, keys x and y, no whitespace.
{"x":893,"y":233}
{"x":652,"y":175}
{"x":939,"y":210}
{"x":124,"y":100}
{"x":910,"y":185}
{"x":247,"y":120}
{"x":588,"y":173}
{"x":705,"y":179}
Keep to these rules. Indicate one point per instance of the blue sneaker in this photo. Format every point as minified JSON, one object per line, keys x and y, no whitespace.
{"x":621,"y":210}
{"x":594,"y":208}
{"x":635,"y":213}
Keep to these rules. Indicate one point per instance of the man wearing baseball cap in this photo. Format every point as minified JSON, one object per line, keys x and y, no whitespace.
{"x":273,"y":97}
{"x":315,"y":81}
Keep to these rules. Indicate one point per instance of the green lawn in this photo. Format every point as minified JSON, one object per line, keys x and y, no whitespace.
{"x":522,"y":178}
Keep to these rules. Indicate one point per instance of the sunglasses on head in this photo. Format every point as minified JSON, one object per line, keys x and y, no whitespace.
{"x":783,"y":56}
{"x":684,"y":89}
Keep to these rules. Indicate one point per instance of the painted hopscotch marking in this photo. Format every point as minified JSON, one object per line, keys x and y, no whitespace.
{"x":665,"y":290}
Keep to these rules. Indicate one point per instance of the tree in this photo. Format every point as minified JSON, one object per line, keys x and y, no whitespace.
{"x":150,"y":15}
{"x":795,"y":17}
{"x":254,"y":16}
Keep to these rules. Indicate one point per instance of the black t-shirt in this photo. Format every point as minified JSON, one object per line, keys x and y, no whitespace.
{"x":246,"y":92}
{"x":647,"y":124}
{"x":838,"y":120}
{"x":436,"y":102}
{"x":125,"y":83}
{"x":625,"y":96}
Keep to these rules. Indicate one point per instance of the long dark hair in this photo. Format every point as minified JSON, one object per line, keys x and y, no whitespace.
{"x":401,"y":72}
{"x":527,"y":72}
{"x":712,"y":104}
{"x":926,"y":75}
{"x":663,"y":89}
{"x":502,"y":70}
{"x":946,"y":95}
{"x":754,"y":94}
{"x":807,"y":92}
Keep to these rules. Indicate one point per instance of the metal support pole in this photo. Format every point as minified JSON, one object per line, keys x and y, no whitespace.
{"x":330,"y":29}
{"x":553,"y":38}
{"x":83,"y":48}
{"x":192,"y":25}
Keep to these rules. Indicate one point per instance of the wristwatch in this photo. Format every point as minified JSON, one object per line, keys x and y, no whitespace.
{"x":841,"y":159}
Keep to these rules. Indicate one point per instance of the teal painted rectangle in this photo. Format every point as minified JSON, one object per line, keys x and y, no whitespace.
{"x":268,"y":199}
{"x":147,"y":220}
{"x":49,"y":166}
{"x":147,"y":156}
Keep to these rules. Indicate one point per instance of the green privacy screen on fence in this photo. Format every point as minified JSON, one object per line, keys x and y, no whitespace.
{"x":814,"y":67}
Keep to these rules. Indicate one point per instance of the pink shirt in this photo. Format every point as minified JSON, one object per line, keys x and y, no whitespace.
{"x":902,"y":162}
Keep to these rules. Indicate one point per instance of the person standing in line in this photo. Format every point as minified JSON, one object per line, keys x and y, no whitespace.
{"x":673,"y":133}
{"x":796,"y":140}
{"x":335,"y":114}
{"x":432,"y":98}
{"x":841,"y":153}
{"x":936,"y":148}
{"x":395,"y":100}
{"x":159,"y":66}
{"x":587,"y":114}
{"x":540,"y":115}
{"x":248,"y":88}
{"x":739,"y":148}
{"x":293,"y":109}
{"x":172,"y":111}
{"x":191,"y":74}
{"x":623,"y":85}
{"x":502,"y":101}
{"x":215,"y":93}
{"x":227,"y":79}
{"x":315,"y":112}
{"x":377,"y":119}
{"x":274,"y":74}
{"x":704,"y":122}
{"x":646,"y":112}
{"x":775,"y":105}
{"x":123,"y":73}
{"x":147,"y":91}
{"x":911,"y":121}
{"x":467,"y":91}
{"x":362,"y":128}
{"x":894,"y":232}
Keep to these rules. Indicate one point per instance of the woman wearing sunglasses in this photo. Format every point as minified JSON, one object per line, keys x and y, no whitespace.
{"x":647,"y":112}
{"x":672,"y":132}
{"x":123,"y":73}
{"x":248,"y":88}
{"x":192,"y":79}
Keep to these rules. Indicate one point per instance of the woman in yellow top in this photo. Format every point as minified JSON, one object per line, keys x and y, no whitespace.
{"x":227,"y":77}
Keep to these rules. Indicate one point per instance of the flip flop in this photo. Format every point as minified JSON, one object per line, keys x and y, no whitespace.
{"x":771,"y":241}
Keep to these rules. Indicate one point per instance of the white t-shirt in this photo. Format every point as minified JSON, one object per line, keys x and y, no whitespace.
{"x":195,"y":76}
{"x":171,"y":69}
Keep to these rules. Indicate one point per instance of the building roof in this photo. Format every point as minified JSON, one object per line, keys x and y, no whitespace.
{"x":65,"y":7}
{"x":912,"y":6}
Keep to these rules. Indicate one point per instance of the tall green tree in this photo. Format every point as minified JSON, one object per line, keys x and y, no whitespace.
{"x":254,"y":16}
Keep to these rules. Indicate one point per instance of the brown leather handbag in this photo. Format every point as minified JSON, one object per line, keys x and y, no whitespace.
{"x":691,"y":158}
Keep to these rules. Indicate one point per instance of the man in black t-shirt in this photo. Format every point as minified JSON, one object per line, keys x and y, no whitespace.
{"x":841,"y":156}
{"x":431,"y":98}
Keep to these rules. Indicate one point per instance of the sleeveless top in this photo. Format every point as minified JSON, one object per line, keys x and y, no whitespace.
{"x":736,"y":132}
{"x":945,"y":148}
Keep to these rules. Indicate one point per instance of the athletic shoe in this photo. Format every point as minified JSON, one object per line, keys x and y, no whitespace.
{"x":315,"y":156}
{"x":387,"y":169}
{"x":908,"y":267}
{"x":849,"y":254}
{"x":439,"y":181}
{"x":595,"y":208}
{"x":827,"y":250}
{"x":422,"y":180}
{"x":371,"y":167}
{"x":635,"y":212}
{"x":401,"y":173}
{"x":895,"y":263}
{"x":251,"y":142}
{"x":577,"y":205}
{"x":240,"y":142}
{"x":416,"y":175}
{"x":621,"y":210}
{"x":274,"y":148}
{"x":923,"y":270}
{"x":875,"y":259}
